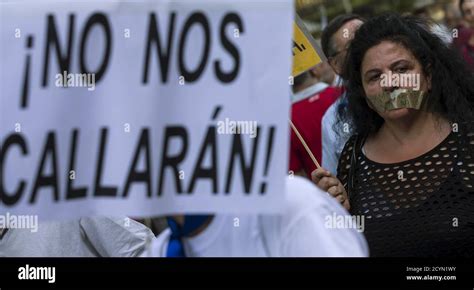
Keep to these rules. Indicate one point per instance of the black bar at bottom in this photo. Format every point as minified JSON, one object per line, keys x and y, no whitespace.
{"x":224,"y":273}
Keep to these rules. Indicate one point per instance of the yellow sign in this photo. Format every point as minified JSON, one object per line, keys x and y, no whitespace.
{"x":306,"y":52}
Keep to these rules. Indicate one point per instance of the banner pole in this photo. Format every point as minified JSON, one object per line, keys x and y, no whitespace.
{"x":304,"y":145}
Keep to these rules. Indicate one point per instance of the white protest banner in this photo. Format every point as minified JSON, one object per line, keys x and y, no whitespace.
{"x":144,"y":108}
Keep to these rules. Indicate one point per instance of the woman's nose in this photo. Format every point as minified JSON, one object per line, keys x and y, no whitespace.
{"x":392,"y":81}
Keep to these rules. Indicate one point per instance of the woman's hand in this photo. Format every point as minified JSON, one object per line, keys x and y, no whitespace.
{"x":329,"y":183}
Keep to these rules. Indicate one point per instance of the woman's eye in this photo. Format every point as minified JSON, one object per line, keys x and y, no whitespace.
{"x":402,"y":70}
{"x":374,"y":78}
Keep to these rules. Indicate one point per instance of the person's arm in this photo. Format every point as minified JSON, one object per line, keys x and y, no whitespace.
{"x":336,"y":186}
{"x":332,"y":185}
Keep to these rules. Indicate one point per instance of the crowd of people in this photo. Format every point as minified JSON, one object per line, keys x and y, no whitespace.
{"x":398,"y":154}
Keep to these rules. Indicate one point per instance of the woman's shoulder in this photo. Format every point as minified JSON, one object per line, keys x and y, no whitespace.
{"x":350,"y":144}
{"x":346,"y":154}
{"x":464,"y":131}
{"x":468,"y":141}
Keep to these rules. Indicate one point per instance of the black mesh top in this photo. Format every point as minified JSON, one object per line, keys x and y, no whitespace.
{"x":420,"y":207}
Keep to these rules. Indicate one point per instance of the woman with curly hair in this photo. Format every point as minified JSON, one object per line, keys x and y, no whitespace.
{"x":408,"y":168}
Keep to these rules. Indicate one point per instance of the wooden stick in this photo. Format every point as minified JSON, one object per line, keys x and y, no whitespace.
{"x":304,"y":145}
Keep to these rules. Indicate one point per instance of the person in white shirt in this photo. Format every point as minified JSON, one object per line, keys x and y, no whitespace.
{"x":333,"y":137}
{"x":335,"y":41}
{"x":301,"y":230}
{"x":84,"y":237}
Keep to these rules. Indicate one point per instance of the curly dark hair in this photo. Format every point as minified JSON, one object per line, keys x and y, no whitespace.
{"x":452,"y":84}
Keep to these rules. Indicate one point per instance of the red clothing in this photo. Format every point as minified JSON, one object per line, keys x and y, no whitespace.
{"x":306,"y":116}
{"x":462,"y":44}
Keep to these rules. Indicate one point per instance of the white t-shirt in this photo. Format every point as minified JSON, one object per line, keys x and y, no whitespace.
{"x":84,"y":237}
{"x":301,"y":230}
{"x":333,"y":143}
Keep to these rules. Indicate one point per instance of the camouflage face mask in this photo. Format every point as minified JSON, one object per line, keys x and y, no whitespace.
{"x":398,"y":99}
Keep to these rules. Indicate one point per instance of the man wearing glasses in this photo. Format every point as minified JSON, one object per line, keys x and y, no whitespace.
{"x":335,"y":41}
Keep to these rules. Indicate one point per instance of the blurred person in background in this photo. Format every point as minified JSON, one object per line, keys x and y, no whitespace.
{"x":452,"y":17}
{"x":465,"y":40}
{"x":303,"y":228}
{"x":439,"y":27}
{"x":311,"y":98}
{"x":84,"y":237}
{"x":335,"y":40}
{"x":324,"y":73}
